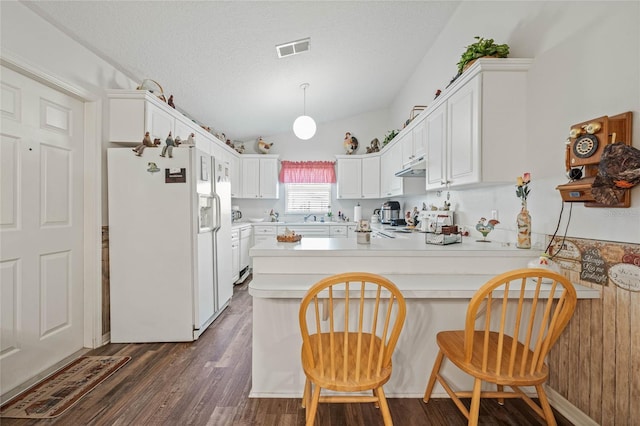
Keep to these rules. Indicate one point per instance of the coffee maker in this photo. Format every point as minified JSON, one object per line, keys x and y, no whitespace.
{"x":390,"y":212}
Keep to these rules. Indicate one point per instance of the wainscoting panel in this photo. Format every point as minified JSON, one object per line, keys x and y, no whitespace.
{"x":596,"y":363}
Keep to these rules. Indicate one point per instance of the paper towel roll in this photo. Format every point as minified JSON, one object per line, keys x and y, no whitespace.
{"x":357,"y":213}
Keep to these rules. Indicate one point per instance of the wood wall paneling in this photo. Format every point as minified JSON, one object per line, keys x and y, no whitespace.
{"x":596,"y":363}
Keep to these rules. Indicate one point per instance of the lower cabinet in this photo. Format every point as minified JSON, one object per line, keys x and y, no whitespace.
{"x":235,"y":255}
{"x":311,"y":231}
{"x":264,"y":233}
{"x":245,"y":245}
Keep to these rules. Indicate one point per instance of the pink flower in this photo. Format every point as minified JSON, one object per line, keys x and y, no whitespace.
{"x":526,"y":177}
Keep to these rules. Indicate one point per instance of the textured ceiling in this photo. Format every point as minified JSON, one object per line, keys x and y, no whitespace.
{"x":218,"y":58}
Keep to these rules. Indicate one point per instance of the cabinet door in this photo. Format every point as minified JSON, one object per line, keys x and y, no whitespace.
{"x":463,"y":109}
{"x":234,"y":166}
{"x":250,"y":178}
{"x":407,"y":150}
{"x":268,"y":178}
{"x":436,"y":134}
{"x":183,"y":129}
{"x":338,"y":231}
{"x":390,"y":163}
{"x":158,"y":123}
{"x":235,"y":255}
{"x":245,"y":243}
{"x":371,"y":177}
{"x":349,"y":178}
{"x":418,"y":135}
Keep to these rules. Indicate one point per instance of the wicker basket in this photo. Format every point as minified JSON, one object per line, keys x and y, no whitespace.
{"x":153,"y":87}
{"x":289,"y":238}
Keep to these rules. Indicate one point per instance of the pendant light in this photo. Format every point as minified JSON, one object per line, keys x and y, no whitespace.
{"x":304,"y":127}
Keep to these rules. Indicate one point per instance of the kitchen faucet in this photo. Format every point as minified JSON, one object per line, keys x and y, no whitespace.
{"x":308,"y":216}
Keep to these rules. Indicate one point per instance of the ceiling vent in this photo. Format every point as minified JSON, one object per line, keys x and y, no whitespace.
{"x":293,"y":47}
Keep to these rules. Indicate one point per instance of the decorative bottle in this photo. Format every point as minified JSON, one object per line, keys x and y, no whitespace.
{"x":524,"y":228}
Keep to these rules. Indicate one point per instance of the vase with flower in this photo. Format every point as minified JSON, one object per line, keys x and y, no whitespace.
{"x":524,"y":218}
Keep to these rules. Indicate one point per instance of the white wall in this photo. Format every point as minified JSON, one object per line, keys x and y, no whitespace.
{"x":37,"y":45}
{"x":586,"y":65}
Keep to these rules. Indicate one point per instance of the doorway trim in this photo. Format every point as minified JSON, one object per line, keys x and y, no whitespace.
{"x":92,"y":192}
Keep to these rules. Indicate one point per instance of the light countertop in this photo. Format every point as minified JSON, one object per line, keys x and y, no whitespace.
{"x":408,"y":245}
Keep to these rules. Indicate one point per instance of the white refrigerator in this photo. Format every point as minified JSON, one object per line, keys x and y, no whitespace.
{"x":169,"y":243}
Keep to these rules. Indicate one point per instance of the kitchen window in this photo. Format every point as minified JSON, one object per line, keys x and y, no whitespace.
{"x":304,"y":198}
{"x":307,"y":186}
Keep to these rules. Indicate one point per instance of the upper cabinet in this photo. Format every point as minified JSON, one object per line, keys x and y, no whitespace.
{"x":476,"y":131}
{"x":390,"y":163}
{"x":413,"y":144}
{"x":259,"y":176}
{"x":358,"y":176}
{"x":235,"y":170}
{"x":133,"y":113}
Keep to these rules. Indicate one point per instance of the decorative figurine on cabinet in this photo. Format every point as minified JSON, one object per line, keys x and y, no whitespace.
{"x":263,"y":146}
{"x":170,"y":144}
{"x":374,"y":147}
{"x":350,"y":143}
{"x":190,"y":141}
{"x":146,"y":141}
{"x":170,"y":102}
{"x":239,"y":147}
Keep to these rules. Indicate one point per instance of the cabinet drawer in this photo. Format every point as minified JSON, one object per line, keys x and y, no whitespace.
{"x":338,"y":231}
{"x":265,"y":230}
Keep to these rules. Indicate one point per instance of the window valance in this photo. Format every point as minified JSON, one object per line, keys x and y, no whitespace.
{"x":307,"y":172}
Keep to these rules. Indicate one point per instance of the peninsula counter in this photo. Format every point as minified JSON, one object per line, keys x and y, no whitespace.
{"x":436,"y":281}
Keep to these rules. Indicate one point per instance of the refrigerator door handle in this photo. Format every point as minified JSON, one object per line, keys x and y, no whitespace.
{"x":217,"y":216}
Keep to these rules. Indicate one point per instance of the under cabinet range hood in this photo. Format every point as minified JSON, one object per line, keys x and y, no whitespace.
{"x":416,"y":168}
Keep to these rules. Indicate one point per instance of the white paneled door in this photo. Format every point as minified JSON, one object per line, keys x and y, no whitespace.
{"x":41,"y":228}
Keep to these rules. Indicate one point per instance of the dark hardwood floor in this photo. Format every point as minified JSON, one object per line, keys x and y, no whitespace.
{"x":207,"y":382}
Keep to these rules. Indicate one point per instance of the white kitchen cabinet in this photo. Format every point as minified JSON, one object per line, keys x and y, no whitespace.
{"x":235,"y":254}
{"x":349,"y":179}
{"x":132,"y":114}
{"x":260,"y":176}
{"x":474,"y":130}
{"x":371,"y":176}
{"x":311,"y":231}
{"x":264,"y":232}
{"x":358,"y":177}
{"x":436,"y":132}
{"x":245,"y":244}
{"x":390,"y":163}
{"x":234,"y":169}
{"x":413,"y":144}
{"x":338,"y":231}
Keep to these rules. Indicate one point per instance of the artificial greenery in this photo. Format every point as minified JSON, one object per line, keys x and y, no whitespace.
{"x":390,"y":135}
{"x":482,"y":47}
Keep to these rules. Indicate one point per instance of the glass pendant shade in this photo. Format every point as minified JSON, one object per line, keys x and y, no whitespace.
{"x":304,"y":127}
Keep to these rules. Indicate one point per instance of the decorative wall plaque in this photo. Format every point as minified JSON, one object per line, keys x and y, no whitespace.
{"x":594,"y":267}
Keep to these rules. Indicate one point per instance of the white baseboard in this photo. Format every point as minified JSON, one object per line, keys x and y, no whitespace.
{"x":567,"y":409}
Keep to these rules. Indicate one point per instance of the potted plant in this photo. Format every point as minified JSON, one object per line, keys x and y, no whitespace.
{"x":390,"y":135}
{"x":481,"y":48}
